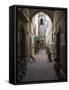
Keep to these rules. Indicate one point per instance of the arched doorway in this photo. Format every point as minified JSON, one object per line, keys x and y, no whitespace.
{"x":41,"y":31}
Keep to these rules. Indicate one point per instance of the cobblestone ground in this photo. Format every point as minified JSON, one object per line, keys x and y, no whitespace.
{"x":41,"y":69}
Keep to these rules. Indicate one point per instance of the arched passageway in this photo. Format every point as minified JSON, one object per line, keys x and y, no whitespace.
{"x":40,"y":66}
{"x":41,"y":32}
{"x":41,"y":41}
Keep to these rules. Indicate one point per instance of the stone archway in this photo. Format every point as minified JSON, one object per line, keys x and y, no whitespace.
{"x":41,"y":30}
{"x":33,"y":12}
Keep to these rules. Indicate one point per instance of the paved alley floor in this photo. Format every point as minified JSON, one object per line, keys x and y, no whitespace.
{"x":41,"y":69}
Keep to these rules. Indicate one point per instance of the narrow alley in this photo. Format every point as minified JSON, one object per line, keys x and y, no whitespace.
{"x":41,"y":69}
{"x":41,"y":45}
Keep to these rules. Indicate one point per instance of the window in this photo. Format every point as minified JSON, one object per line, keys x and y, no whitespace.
{"x":41,"y":21}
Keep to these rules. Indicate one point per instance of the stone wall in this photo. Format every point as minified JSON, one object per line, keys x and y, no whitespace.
{"x":24,"y":24}
{"x":59,"y":26}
